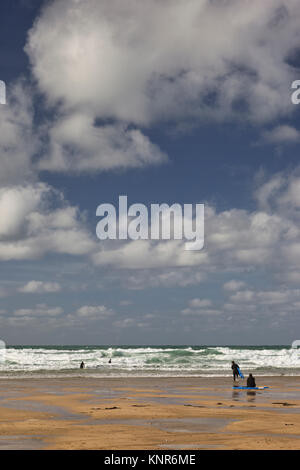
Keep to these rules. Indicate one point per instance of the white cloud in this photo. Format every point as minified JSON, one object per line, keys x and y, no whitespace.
{"x":18,"y":141}
{"x":290,"y":199}
{"x":39,"y":310}
{"x":163,"y":278}
{"x":78,"y":145}
{"x":30,"y":227}
{"x":266,"y":192}
{"x":142,"y":254}
{"x":199,"y":307}
{"x":39,"y":287}
{"x":233,"y":239}
{"x":281,"y":194}
{"x":243,"y":296}
{"x":118,"y":67}
{"x":239,"y":308}
{"x":201,"y":311}
{"x":233,"y":285}
{"x":267,"y":297}
{"x":126,"y":323}
{"x":282,"y":134}
{"x":114,"y":71}
{"x":117,"y":60}
{"x":199,"y":303}
{"x":16,"y":206}
{"x":94,"y":311}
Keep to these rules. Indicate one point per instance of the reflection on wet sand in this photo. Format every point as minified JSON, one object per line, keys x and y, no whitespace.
{"x":147,"y":413}
{"x":251,"y":394}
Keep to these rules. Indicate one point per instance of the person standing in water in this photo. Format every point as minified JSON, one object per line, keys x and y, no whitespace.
{"x":82,"y":365}
{"x":235,"y":370}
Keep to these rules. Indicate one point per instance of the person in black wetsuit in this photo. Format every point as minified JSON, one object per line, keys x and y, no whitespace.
{"x":234,"y":367}
{"x":251,"y":381}
{"x":82,"y":365}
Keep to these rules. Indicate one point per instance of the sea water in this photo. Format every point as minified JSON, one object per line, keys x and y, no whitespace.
{"x":144,"y":361}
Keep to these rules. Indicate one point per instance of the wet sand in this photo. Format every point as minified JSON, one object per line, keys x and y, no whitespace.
{"x":148,"y":413}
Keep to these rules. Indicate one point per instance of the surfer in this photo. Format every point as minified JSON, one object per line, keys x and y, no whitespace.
{"x":235,"y":370}
{"x":82,"y":365}
{"x":251,"y":381}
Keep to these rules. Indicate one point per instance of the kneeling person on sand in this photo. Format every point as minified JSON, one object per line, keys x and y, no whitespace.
{"x":251,"y":381}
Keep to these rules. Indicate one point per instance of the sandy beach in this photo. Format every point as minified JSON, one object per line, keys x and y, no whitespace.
{"x":148,"y":413}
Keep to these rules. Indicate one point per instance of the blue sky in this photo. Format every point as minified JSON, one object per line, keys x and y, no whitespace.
{"x":186,"y":102}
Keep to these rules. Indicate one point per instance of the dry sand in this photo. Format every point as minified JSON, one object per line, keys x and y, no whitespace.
{"x":148,"y":413}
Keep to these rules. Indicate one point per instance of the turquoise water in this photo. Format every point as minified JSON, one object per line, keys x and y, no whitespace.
{"x":148,"y":360}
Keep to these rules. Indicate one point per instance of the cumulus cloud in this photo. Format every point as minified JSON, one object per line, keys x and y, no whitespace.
{"x":267,"y":191}
{"x":19,"y":142}
{"x":130,"y":323}
{"x":36,"y":220}
{"x":94,"y":311}
{"x":200,"y":311}
{"x":110,"y":69}
{"x":197,"y":303}
{"x":200,"y":307}
{"x":39,"y":287}
{"x":233,"y":285}
{"x":141,"y":254}
{"x":179,"y":277}
{"x":129,"y":61}
{"x":78,"y":145}
{"x":237,"y":242}
{"x":233,"y":238}
{"x":39,"y":310}
{"x":243,"y":296}
{"x":283,"y":134}
{"x":279,"y":302}
{"x":32,"y":226}
{"x":280,"y":195}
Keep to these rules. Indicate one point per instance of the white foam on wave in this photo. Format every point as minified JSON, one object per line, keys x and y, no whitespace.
{"x":170,"y":360}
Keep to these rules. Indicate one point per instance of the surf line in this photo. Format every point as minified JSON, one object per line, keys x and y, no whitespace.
{"x":175,"y":222}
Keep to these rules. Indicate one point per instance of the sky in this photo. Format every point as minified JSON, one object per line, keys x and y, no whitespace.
{"x":164,"y":101}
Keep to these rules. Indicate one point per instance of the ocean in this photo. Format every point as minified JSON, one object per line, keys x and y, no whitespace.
{"x":145,"y":361}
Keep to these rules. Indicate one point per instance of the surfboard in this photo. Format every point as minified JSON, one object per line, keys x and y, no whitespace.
{"x":249,"y":388}
{"x":240,"y":373}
